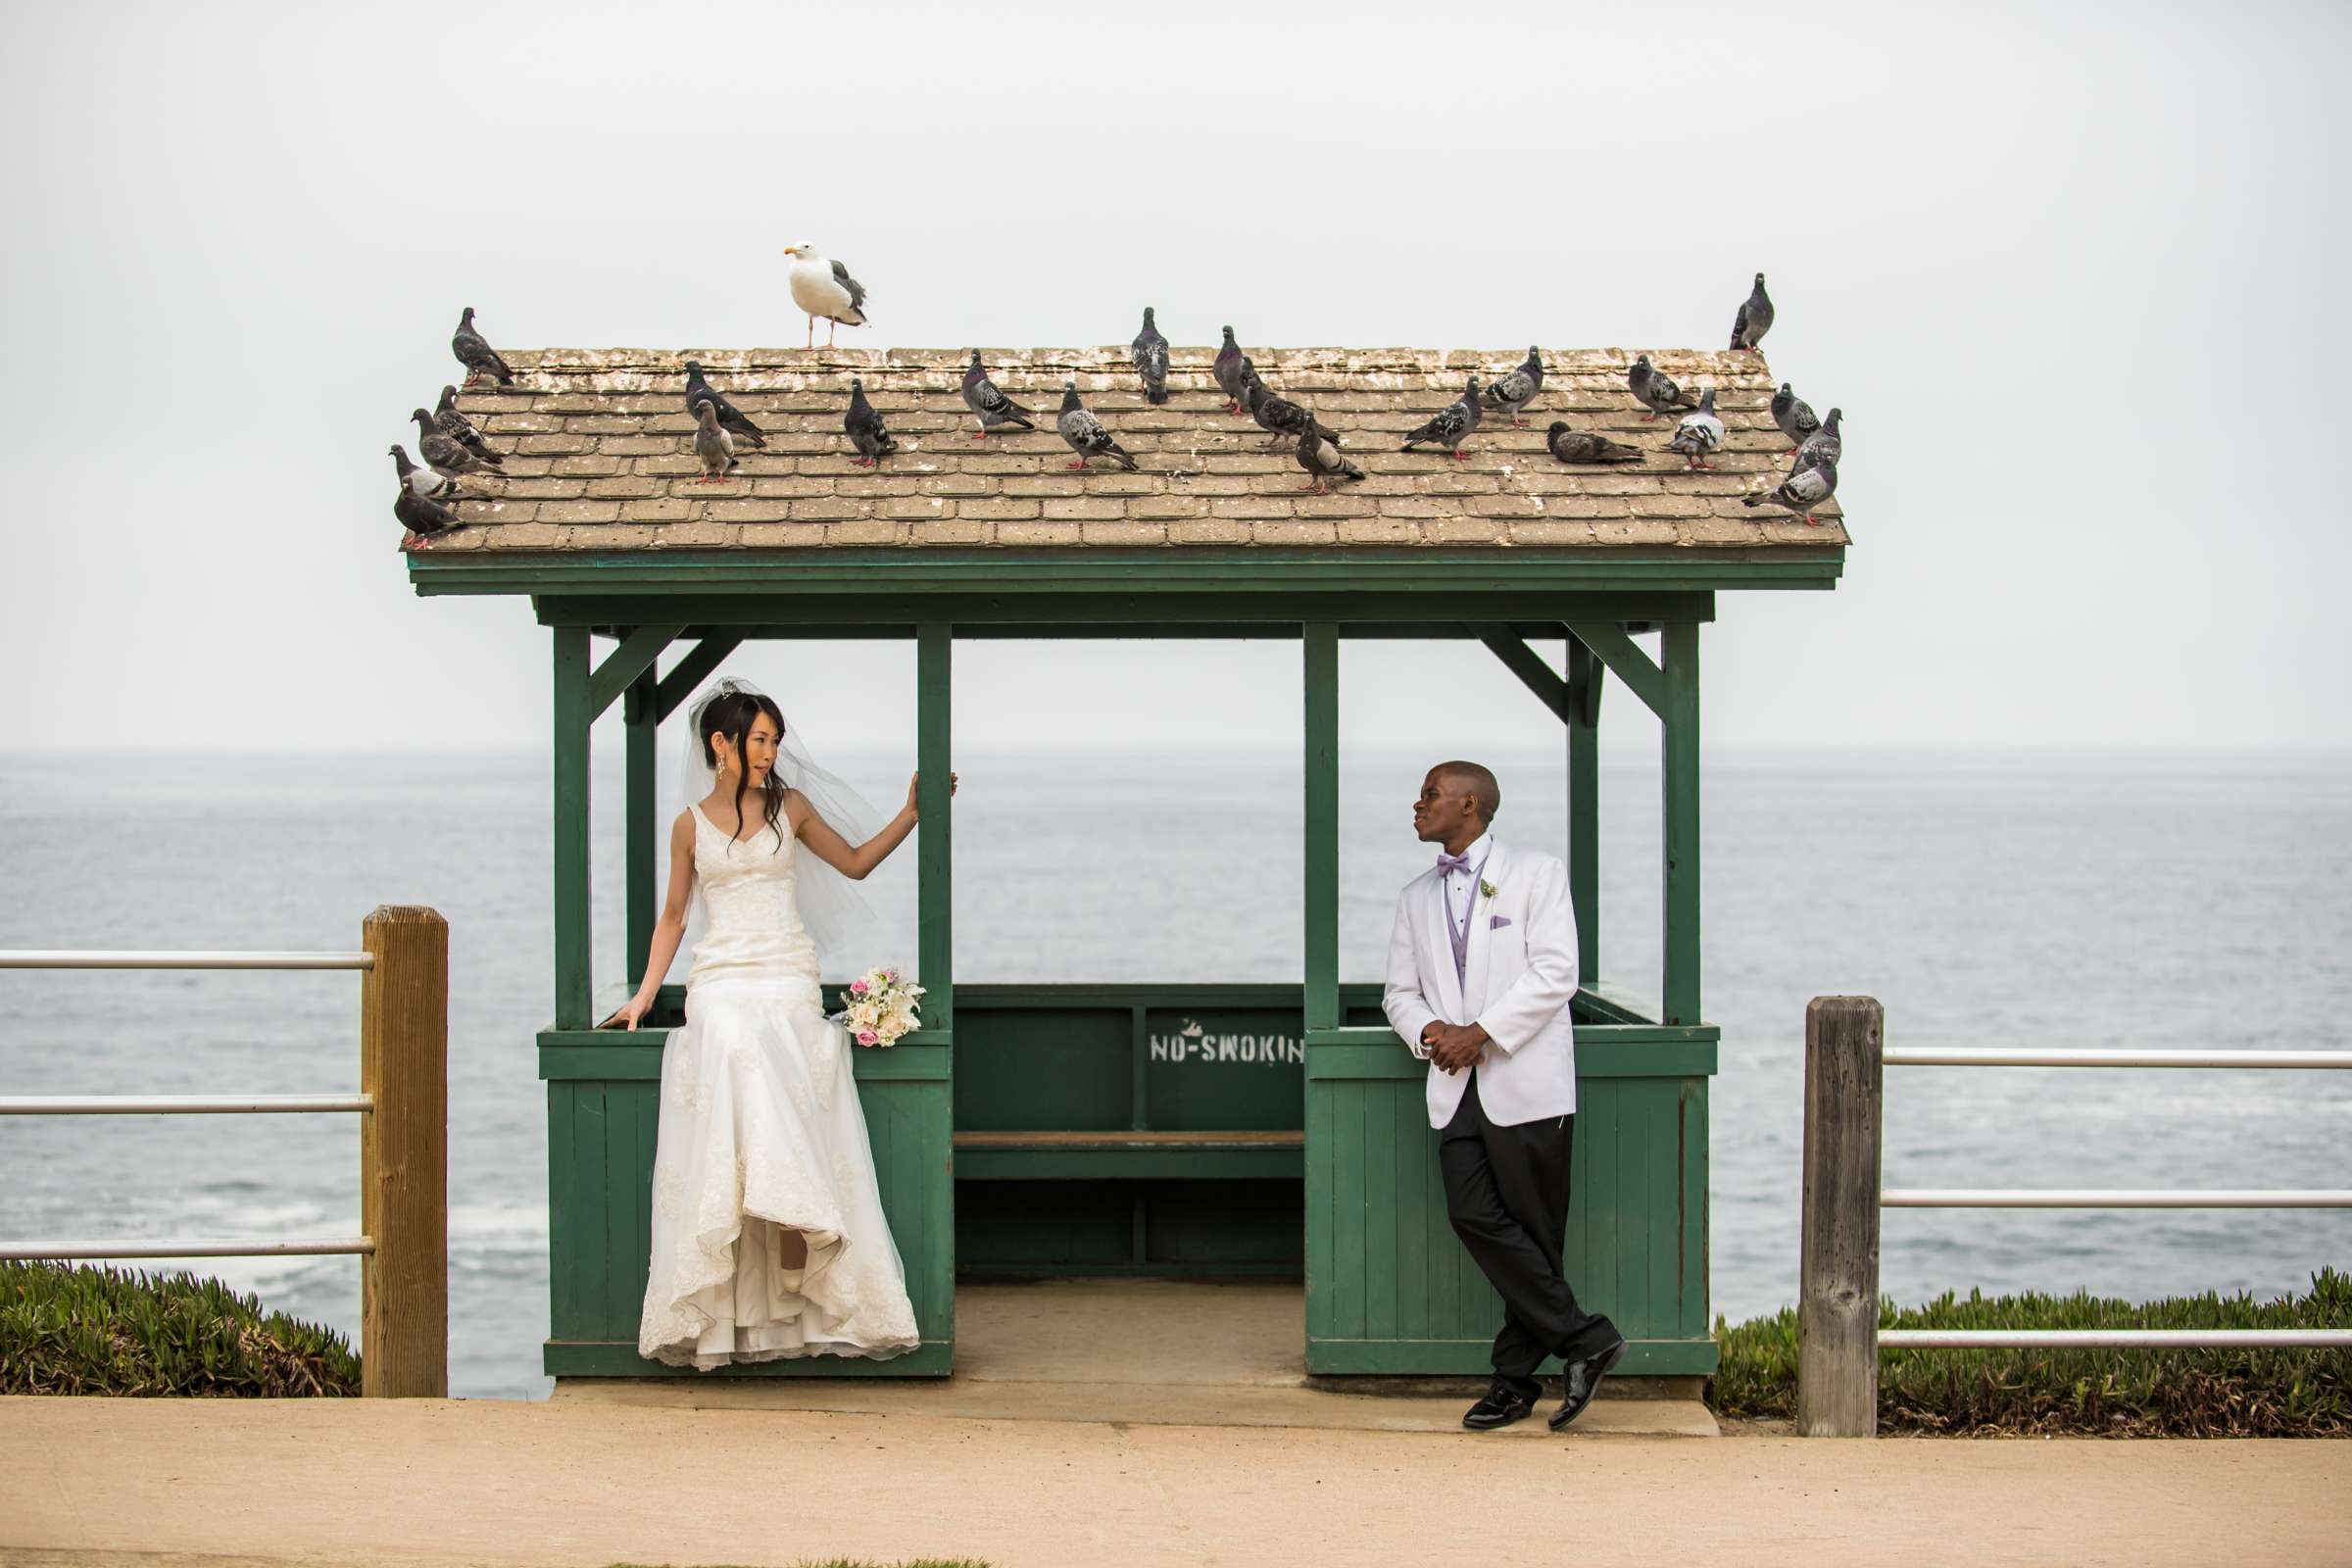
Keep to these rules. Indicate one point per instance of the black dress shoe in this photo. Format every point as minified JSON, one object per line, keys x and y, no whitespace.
{"x":1581,"y":1382}
{"x":1502,"y":1405}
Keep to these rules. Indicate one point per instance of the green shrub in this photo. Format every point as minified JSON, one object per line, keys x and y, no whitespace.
{"x":108,"y":1331}
{"x":2215,"y":1392}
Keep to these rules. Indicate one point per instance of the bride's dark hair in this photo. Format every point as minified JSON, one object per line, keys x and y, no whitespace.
{"x":732,"y":715}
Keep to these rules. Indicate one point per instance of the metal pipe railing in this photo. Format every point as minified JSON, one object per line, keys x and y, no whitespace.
{"x":177,"y":1104}
{"x":403,"y":1106}
{"x":179,"y":1247}
{"x":1838,"y":1338}
{"x":2013,"y":1056}
{"x":2115,"y":1198}
{"x":101,"y":958}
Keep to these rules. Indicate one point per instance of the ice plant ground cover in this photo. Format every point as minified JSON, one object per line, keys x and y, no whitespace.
{"x":879,"y":1007}
{"x":2223,"y":1390}
{"x":120,"y":1331}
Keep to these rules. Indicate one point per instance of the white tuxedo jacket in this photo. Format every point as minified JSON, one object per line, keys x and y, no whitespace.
{"x":1517,"y":984}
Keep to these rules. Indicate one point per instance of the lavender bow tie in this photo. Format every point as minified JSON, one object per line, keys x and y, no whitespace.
{"x":1452,"y":862}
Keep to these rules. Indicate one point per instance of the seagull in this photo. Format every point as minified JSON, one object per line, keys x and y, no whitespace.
{"x":1151,"y":360}
{"x":1322,"y":461}
{"x":1515,"y":391}
{"x":1800,"y":492}
{"x":1825,"y":445}
{"x":825,"y":288}
{"x":986,"y":399}
{"x":1583,"y":446}
{"x":1699,"y":433}
{"x":1281,"y":418}
{"x":427,"y":484}
{"x":1085,"y":433}
{"x":713,"y":444}
{"x":443,"y":452}
{"x":863,"y":424}
{"x":1754,"y":318}
{"x":1794,"y":416}
{"x":473,"y":351}
{"x":1452,"y":425}
{"x":1227,"y":368}
{"x":459,"y":428}
{"x":422,"y":515}
{"x":1653,"y":391}
{"x":731,"y":418}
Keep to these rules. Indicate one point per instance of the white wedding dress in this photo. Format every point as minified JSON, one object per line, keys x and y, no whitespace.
{"x":761,"y":1129}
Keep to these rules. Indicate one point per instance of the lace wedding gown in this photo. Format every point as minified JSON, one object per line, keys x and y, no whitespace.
{"x":761,"y":1129}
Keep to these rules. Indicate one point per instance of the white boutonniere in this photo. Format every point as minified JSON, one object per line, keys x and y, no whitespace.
{"x":1486,"y":887}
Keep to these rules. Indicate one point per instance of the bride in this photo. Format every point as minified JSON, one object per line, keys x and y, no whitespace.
{"x":768,"y":1234}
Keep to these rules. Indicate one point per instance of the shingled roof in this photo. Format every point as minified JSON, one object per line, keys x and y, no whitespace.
{"x":600,"y":456}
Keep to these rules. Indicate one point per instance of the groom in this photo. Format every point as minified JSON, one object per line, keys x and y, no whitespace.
{"x":1481,"y":969}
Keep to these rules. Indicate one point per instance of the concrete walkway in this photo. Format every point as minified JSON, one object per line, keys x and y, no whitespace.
{"x":1159,"y":1352}
{"x":571,"y":1483}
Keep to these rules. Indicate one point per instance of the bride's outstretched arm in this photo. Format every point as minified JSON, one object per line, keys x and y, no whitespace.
{"x":856,"y":861}
{"x":670,"y":929}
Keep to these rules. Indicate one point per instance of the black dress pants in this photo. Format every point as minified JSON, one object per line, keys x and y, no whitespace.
{"x":1506,"y":1192}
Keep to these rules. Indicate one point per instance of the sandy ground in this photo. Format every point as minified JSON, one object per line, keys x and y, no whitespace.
{"x":593,"y":1483}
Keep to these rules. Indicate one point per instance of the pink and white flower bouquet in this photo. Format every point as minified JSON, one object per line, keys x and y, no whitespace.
{"x":878,"y":1006}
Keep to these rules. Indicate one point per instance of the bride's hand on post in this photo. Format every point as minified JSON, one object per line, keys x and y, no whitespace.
{"x":912,"y":805}
{"x":631,"y":1011}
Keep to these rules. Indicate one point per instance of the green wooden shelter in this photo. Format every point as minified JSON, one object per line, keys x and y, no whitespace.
{"x":1067,"y":1129}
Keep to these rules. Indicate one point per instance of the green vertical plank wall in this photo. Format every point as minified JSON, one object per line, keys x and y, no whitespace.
{"x":1388,"y":1287}
{"x":603,"y":1109}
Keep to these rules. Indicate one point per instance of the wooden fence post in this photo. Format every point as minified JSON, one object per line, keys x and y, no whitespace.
{"x":1838,"y":1310}
{"x":404,"y":1156}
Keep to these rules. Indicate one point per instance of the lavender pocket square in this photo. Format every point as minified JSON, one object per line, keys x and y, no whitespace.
{"x":1498,"y":923}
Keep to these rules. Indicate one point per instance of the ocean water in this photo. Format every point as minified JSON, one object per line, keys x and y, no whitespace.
{"x":2167,"y":901}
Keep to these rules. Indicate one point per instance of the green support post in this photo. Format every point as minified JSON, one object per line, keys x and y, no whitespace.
{"x":573,"y":986}
{"x":1321,"y":642}
{"x":935,"y":946}
{"x":1679,"y":741}
{"x":1585,"y":676}
{"x":641,"y":721}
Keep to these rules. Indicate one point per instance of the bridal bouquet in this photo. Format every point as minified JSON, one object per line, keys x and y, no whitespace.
{"x":879,"y":1007}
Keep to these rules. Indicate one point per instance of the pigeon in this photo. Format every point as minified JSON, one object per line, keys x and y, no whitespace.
{"x":824,"y":287}
{"x":1227,"y":368}
{"x":1699,"y":433}
{"x":1802,"y":491}
{"x":459,"y":428}
{"x":713,"y":444}
{"x":1515,"y":391}
{"x":1322,"y":461}
{"x":1754,"y":318}
{"x":1794,"y":416}
{"x":1245,"y":378}
{"x":864,"y":423}
{"x":1452,"y":425}
{"x":1281,"y":418}
{"x":1825,"y":445}
{"x":442,"y":451}
{"x":986,"y":399}
{"x":1151,"y":360}
{"x":475,"y":352}
{"x":1085,"y":433}
{"x":1653,"y":391}
{"x":422,"y":515}
{"x":425,"y":483}
{"x":731,"y":418}
{"x":989,"y":400}
{"x":1583,"y":446}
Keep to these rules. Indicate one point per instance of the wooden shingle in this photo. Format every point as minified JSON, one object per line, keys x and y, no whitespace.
{"x":600,"y":456}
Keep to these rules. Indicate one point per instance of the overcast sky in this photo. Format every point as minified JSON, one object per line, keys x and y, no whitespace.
{"x":2076,"y":280}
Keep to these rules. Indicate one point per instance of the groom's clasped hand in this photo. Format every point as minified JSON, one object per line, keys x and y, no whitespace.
{"x":1454,"y":1047}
